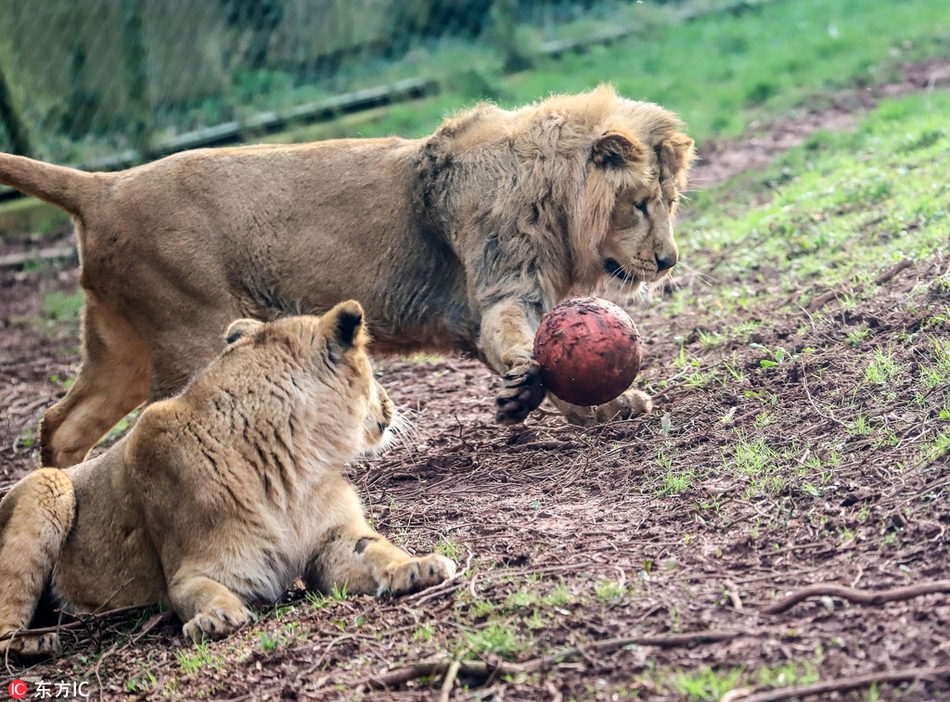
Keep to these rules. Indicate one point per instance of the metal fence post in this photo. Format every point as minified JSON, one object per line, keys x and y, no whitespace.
{"x":504,"y":15}
{"x":16,"y":130}
{"x":139,"y":116}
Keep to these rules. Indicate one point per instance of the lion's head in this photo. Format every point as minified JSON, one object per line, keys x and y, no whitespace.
{"x":639,"y":245}
{"x":581,"y":188}
{"x":317,"y":369}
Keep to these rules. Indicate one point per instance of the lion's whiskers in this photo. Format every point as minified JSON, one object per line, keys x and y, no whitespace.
{"x":403,"y":429}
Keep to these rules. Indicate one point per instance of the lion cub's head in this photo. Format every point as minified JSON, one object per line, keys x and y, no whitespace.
{"x":312,"y":372}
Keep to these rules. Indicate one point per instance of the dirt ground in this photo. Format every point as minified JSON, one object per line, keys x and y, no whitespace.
{"x":629,"y":582}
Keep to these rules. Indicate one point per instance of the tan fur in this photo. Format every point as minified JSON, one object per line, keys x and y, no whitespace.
{"x":220,"y":496}
{"x":458,"y":241}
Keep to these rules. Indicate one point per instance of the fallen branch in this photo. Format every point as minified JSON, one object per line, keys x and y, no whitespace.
{"x":822,"y":300}
{"x":822,"y":688}
{"x":15,"y":260}
{"x":468,"y":669}
{"x":894,"y":270}
{"x":864,"y":597}
{"x":449,"y":681}
{"x":483,"y":670}
{"x":84,"y":622}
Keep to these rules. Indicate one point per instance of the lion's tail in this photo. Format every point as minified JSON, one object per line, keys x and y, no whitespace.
{"x":68,"y":188}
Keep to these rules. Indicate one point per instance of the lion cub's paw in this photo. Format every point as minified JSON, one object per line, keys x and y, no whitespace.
{"x":420,"y":573}
{"x":522,"y":393}
{"x":42,"y":645}
{"x":216,"y":623}
{"x":632,"y":403}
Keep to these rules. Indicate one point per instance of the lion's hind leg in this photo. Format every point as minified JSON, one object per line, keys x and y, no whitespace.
{"x":208,"y":609}
{"x":35,"y":519}
{"x":113,"y":380}
{"x":362,"y":561}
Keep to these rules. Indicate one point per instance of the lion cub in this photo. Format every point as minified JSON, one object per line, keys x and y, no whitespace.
{"x":222,"y":495}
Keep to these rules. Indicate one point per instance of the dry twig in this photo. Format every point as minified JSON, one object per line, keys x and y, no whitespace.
{"x":823,"y":688}
{"x":482,"y":669}
{"x":449,"y":681}
{"x":865,"y":597}
{"x":84,"y":622}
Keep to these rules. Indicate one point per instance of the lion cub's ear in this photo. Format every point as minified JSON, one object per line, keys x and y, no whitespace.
{"x":619,"y":150}
{"x":343,"y":327}
{"x":240,"y":328}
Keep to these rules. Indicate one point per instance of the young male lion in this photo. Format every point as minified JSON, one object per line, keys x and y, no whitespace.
{"x":222,"y":495}
{"x":458,"y":241}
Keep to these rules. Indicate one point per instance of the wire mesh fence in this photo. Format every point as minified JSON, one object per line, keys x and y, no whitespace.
{"x":106,"y":83}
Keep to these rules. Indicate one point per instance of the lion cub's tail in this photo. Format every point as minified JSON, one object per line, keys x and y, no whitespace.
{"x":64,"y":187}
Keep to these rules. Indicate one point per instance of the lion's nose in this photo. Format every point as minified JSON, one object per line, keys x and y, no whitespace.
{"x":665,"y":263}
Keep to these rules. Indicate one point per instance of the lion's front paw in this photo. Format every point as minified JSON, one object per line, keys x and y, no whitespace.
{"x":216,"y":623}
{"x":522,"y":393}
{"x":420,"y":573}
{"x":38,"y":646}
{"x":632,"y":403}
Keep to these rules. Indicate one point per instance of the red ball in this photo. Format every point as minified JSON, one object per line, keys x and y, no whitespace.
{"x":589,"y":351}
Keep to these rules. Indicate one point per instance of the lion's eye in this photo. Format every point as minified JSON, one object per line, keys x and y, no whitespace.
{"x":642,"y":206}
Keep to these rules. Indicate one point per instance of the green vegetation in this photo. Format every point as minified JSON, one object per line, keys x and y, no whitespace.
{"x":62,"y":307}
{"x":841,"y":210}
{"x":844,"y":206}
{"x":719,"y":73}
{"x":834,"y":215}
{"x":320,"y":600}
{"x":497,"y":637}
{"x":707,"y":684}
{"x":198,"y":658}
{"x":449,"y":547}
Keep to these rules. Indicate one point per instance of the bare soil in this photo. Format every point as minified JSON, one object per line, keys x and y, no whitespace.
{"x":580,"y":518}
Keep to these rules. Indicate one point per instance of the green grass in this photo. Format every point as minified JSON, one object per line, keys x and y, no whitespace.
{"x":833,"y":214}
{"x":707,"y":684}
{"x":843,"y":209}
{"x":718,"y":72}
{"x":882,"y":369}
{"x":610,"y":592}
{"x":935,"y":370}
{"x":62,"y":307}
{"x":449,"y":547}
{"x":497,"y":637}
{"x":321,"y":600}
{"x":198,"y":658}
{"x":423,"y":633}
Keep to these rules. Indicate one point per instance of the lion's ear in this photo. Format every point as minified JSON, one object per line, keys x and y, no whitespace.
{"x":344,"y":327}
{"x":676,"y":155}
{"x":240,"y":328}
{"x":619,"y":150}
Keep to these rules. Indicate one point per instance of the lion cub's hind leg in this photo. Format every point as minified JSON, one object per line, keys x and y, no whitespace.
{"x":632,"y":403}
{"x":208,"y":608}
{"x":35,"y":519}
{"x":362,"y":561}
